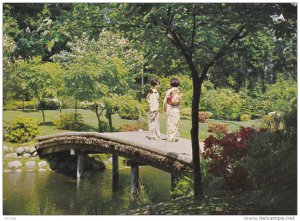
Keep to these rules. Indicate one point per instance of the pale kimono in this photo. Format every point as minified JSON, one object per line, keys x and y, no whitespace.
{"x":153,"y":101}
{"x":173,"y":117}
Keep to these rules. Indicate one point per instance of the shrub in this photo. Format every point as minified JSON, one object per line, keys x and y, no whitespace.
{"x":184,"y":187}
{"x":49,"y":104}
{"x":17,"y":105}
{"x":22,"y":130}
{"x":131,"y":109}
{"x":103,"y":127}
{"x":186,"y":112}
{"x":203,"y":116}
{"x":226,"y":157}
{"x":219,"y":129}
{"x":273,"y":121}
{"x":272,"y":168}
{"x":245,"y":117}
{"x":85,"y":105}
{"x":69,"y":121}
{"x":223,"y":103}
{"x":128,"y":127}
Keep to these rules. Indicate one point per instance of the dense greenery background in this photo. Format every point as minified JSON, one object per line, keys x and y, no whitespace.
{"x":236,"y":61}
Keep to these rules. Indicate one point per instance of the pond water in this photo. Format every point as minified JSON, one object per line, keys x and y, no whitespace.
{"x":51,"y":193}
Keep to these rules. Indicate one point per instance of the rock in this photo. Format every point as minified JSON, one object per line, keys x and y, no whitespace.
{"x":20,"y":150}
{"x":42,"y":170}
{"x":7,"y":171}
{"x":216,"y":184}
{"x":11,"y":149}
{"x":18,"y":170}
{"x":27,"y":149}
{"x":32,"y":149}
{"x":5,"y":149}
{"x":140,"y":130}
{"x":42,"y":164}
{"x":30,"y":164}
{"x":26,"y":155}
{"x":14,"y":164}
{"x":11,"y":155}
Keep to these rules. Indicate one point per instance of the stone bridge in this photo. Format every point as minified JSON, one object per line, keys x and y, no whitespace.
{"x":175,"y":158}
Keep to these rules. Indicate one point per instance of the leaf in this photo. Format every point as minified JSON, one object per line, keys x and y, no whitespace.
{"x":50,"y":45}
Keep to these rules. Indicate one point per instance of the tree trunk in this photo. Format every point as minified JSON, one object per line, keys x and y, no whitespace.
{"x":59,"y":104}
{"x":263,"y":86}
{"x":75,"y":105}
{"x":109,"y":117}
{"x":198,"y":190}
{"x":23,"y":102}
{"x":98,"y":116}
{"x":43,"y":113}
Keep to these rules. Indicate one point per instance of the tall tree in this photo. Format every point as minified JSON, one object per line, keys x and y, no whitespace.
{"x":202,"y":35}
{"x":101,"y":71}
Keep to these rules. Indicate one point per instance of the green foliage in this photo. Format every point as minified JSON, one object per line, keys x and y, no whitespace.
{"x":17,"y":105}
{"x":184,"y":187}
{"x":245,"y":117}
{"x":103,"y":127}
{"x":100,"y":156}
{"x":272,"y":168}
{"x":281,"y":96}
{"x":48,"y":104}
{"x":69,"y":121}
{"x":130,"y":108}
{"x":22,"y":130}
{"x":273,"y":121}
{"x":223,"y":103}
{"x":186,"y":112}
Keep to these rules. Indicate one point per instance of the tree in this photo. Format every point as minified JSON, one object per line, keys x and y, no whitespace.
{"x":101,"y":71}
{"x":36,"y":75}
{"x":203,"y":34}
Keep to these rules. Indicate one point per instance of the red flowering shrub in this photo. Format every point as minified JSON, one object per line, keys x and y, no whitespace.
{"x":226,"y":155}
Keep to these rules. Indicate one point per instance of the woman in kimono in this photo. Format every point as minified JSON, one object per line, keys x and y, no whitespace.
{"x":172,"y":108}
{"x":153,"y":101}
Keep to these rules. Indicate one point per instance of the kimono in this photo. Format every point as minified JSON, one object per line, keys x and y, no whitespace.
{"x":153,"y":101}
{"x":173,"y":116}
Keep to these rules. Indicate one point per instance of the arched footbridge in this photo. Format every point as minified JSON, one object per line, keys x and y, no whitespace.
{"x":173,"y":157}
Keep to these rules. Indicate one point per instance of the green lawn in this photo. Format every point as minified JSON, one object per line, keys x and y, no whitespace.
{"x":90,"y":121}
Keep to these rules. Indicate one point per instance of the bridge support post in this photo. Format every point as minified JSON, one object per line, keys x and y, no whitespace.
{"x":115,"y":170}
{"x":134,"y":180}
{"x":80,"y":168}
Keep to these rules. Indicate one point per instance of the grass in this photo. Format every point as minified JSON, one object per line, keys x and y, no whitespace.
{"x":91,"y":124}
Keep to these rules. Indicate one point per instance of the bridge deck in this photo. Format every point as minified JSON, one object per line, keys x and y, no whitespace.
{"x":181,"y":150}
{"x":169,"y":156}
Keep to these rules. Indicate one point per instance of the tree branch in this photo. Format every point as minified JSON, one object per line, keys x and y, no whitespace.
{"x":222,"y":51}
{"x":194,"y":28}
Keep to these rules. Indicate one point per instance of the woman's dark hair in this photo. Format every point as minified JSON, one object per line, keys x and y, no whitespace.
{"x":174,"y":82}
{"x":154,"y":82}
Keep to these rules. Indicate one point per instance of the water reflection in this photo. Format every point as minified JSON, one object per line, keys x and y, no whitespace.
{"x":40,"y":193}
